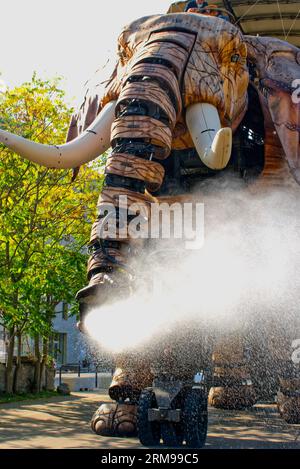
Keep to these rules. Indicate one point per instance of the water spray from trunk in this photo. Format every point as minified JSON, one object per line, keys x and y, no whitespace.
{"x":246,"y":276}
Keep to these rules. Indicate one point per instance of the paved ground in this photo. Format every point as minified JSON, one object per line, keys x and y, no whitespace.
{"x":63,"y":422}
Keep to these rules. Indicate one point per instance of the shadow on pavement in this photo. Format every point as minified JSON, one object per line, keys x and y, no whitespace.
{"x":64,"y":422}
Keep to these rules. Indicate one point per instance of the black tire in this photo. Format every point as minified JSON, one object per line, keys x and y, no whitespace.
{"x":148,"y":432}
{"x":195,"y":418}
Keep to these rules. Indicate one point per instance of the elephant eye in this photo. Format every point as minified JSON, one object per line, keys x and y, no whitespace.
{"x":235,"y":58}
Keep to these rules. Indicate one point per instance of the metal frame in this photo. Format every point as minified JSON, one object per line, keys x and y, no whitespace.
{"x":250,"y":23}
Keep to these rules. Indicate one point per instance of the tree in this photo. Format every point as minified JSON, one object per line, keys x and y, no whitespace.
{"x":44,"y":219}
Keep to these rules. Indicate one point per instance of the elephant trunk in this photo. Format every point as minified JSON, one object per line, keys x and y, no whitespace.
{"x":213,"y":143}
{"x":149,"y":105}
{"x":90,"y":144}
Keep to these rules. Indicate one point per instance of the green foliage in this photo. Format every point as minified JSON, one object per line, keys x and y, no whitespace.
{"x":7,"y":398}
{"x":44,"y":218}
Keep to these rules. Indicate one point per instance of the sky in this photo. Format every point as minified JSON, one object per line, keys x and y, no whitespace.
{"x":68,"y":38}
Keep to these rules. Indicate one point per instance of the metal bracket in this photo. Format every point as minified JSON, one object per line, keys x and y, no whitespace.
{"x":165,"y":391}
{"x":164,"y":415}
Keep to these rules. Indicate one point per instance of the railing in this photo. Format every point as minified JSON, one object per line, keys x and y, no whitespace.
{"x":67,"y":367}
{"x":80,"y":370}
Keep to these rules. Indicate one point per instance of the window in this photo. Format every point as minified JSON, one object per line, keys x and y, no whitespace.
{"x":58,"y":347}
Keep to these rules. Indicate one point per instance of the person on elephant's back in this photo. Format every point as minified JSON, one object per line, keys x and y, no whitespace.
{"x":197,"y":6}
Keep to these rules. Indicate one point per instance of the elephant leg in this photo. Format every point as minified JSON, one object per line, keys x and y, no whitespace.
{"x":232,"y":384}
{"x":288,"y":396}
{"x":115,"y":419}
{"x":132,"y":375}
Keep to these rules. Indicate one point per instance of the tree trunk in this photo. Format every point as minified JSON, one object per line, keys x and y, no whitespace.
{"x":37,"y":371}
{"x":18,"y":363}
{"x":43,"y":362}
{"x":9,"y":362}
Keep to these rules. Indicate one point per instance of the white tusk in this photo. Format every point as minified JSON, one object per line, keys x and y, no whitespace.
{"x":86,"y":147}
{"x":212,"y":142}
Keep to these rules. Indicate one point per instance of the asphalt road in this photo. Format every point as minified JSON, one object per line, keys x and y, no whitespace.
{"x":64,"y":422}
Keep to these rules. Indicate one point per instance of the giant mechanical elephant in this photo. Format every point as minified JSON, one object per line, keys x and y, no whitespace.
{"x":189,"y":96}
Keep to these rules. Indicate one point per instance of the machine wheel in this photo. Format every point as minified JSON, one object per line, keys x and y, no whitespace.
{"x":195,"y":418}
{"x":148,"y":432}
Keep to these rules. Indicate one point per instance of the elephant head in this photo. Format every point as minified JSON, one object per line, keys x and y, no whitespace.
{"x":199,"y":61}
{"x":200,"y":64}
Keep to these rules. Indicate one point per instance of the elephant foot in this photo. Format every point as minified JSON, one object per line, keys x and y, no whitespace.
{"x":288,"y":400}
{"x":232,"y":384}
{"x":115,"y":420}
{"x":232,"y":397}
{"x":119,"y":418}
{"x":128,"y":381}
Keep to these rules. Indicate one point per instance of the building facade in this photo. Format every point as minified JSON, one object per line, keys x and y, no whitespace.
{"x":67,"y":345}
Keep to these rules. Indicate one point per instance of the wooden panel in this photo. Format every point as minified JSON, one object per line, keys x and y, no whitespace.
{"x":160,"y":73}
{"x":175,"y":55}
{"x":99,"y":260}
{"x":276,"y":172}
{"x":110,"y":195}
{"x":184,"y":40}
{"x":212,"y":76}
{"x":143,"y":127}
{"x":149,"y":91}
{"x":137,"y":168}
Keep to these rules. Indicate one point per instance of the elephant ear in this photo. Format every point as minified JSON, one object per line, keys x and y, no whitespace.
{"x":276,"y":68}
{"x":98,"y":93}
